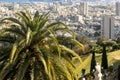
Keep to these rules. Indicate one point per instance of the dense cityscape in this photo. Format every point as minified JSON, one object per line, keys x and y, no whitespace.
{"x":91,"y":19}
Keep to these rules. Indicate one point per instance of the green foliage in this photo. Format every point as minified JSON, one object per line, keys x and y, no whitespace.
{"x":93,"y":63}
{"x":87,"y":44}
{"x":89,"y":77}
{"x":98,"y":49}
{"x":113,"y":58}
{"x":110,"y":46}
{"x":108,"y":43}
{"x":85,"y":63}
{"x":66,"y":41}
{"x":34,"y":52}
{"x":100,"y":40}
{"x":116,"y":47}
{"x":83,"y":39}
{"x":104,"y":63}
{"x":118,"y":39}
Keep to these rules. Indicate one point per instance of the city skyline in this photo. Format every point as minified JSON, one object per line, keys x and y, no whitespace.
{"x":57,"y":0}
{"x":84,"y":15}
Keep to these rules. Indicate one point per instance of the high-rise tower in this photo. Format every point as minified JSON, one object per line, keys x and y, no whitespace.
{"x":107,"y":27}
{"x":118,"y":8}
{"x":84,"y":8}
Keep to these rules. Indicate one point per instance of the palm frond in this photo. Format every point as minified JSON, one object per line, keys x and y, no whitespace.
{"x":71,"y":51}
{"x":14,"y":20}
{"x":33,"y":44}
{"x":83,"y":64}
{"x":79,"y":44}
{"x":4,"y":56}
{"x":13,"y":52}
{"x":7,"y":38}
{"x":16,"y":31}
{"x":25,"y":15}
{"x":5,"y":70}
{"x":55,"y":41}
{"x":22,"y":69}
{"x":29,"y":36}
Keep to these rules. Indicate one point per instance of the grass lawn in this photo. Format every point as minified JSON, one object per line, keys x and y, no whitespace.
{"x":113,"y":57}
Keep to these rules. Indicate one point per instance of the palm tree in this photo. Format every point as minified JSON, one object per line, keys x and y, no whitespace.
{"x":33,"y":52}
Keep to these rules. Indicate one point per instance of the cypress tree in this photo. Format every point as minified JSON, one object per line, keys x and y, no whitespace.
{"x":104,"y":63}
{"x":93,"y":62}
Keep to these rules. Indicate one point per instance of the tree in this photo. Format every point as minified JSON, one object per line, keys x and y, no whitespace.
{"x":104,"y":63}
{"x":93,"y":62}
{"x":109,"y":44}
{"x":105,"y":44}
{"x":34,"y":52}
{"x":83,"y":39}
{"x":118,"y":39}
{"x":86,"y":42}
{"x":100,"y":40}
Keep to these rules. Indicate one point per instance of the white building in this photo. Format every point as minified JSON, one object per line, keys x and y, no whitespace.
{"x":84,"y":8}
{"x":107,"y":27}
{"x":118,"y":8}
